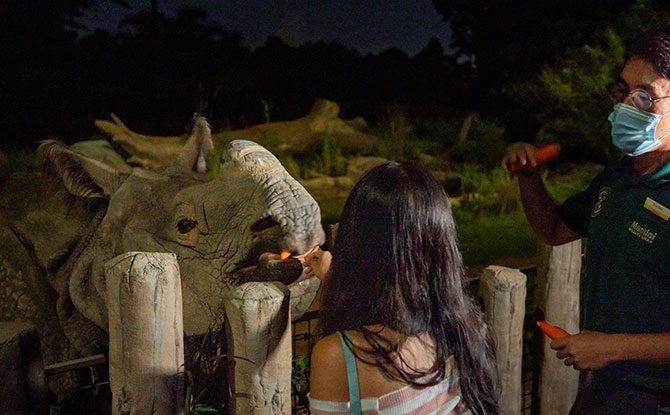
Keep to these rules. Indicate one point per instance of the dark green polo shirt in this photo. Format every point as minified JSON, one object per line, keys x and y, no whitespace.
{"x":626,"y":284}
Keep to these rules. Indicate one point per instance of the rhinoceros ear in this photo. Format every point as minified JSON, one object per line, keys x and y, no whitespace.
{"x":81,"y":176}
{"x":193,"y":155}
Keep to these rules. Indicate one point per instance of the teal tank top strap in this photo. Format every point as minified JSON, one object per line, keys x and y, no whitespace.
{"x":352,"y":375}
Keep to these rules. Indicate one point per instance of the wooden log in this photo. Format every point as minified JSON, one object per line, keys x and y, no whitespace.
{"x":22,"y":384}
{"x":557,"y":296}
{"x":504,"y":293}
{"x":146,"y":349}
{"x":259,"y":336}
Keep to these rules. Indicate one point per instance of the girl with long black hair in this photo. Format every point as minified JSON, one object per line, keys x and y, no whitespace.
{"x":400,"y":334}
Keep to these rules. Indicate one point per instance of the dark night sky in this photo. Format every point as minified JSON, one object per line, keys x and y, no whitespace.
{"x":365,"y":25}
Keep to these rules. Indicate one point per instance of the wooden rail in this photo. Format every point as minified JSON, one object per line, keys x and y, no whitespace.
{"x":69,"y":365}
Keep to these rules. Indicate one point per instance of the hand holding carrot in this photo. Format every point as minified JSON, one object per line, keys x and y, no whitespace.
{"x":526,"y":157}
{"x":588,"y":350}
{"x":317,"y":262}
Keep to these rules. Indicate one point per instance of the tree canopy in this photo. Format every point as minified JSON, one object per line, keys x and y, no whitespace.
{"x":542,"y":66}
{"x":534,"y":71}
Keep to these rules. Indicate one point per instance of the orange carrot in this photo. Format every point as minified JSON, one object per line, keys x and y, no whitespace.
{"x":542,"y":155}
{"x":553,"y":332}
{"x":285,"y":255}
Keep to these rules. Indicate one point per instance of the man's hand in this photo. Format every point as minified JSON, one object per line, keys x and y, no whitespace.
{"x":588,"y":350}
{"x":523,"y":153}
{"x":317,"y":262}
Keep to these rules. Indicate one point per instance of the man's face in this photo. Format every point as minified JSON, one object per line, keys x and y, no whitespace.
{"x":638,"y":73}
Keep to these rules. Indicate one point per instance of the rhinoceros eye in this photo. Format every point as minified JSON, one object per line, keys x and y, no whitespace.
{"x":185,"y":225}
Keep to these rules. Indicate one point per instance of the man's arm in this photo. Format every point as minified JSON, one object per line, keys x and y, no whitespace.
{"x":591,"y":350}
{"x":541,"y":210}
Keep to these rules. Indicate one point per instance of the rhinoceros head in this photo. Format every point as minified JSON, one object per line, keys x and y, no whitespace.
{"x":219,"y":228}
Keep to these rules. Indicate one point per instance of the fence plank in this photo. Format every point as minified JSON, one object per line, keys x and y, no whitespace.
{"x":146,"y":349}
{"x":22,"y":386}
{"x":557,"y":296}
{"x":258,"y":316}
{"x":504,"y":293}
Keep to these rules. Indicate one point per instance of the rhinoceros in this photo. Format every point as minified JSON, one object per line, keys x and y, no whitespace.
{"x":54,"y":243}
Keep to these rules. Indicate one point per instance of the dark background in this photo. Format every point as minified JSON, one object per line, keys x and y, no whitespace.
{"x":522,"y":65}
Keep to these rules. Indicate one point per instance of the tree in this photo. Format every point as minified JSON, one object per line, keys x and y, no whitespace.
{"x":39,"y":60}
{"x":541,"y":66}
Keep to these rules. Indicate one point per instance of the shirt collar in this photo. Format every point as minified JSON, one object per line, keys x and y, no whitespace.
{"x":655,"y":179}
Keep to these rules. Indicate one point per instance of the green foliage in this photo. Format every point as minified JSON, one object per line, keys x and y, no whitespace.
{"x":300,"y":374}
{"x":574,"y":105}
{"x":327,"y":159}
{"x":481,"y":142}
{"x":199,"y":409}
{"x":484,"y":239}
{"x":489,"y":217}
{"x":435,"y":136}
{"x":488,"y":191}
{"x":331,"y":161}
{"x":206,"y":369}
{"x":203,"y":108}
{"x":265,"y":103}
{"x":397,"y":140}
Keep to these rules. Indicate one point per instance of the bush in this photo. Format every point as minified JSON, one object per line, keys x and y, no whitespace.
{"x":483,"y":142}
{"x":397,"y":140}
{"x":436,"y":136}
{"x":490,"y":191}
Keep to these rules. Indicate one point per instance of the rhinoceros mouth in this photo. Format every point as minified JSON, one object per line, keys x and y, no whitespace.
{"x":269,"y":267}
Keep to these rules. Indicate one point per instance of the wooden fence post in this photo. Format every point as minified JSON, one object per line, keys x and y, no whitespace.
{"x":557,"y":296}
{"x":146,"y":348}
{"x":259,"y":339}
{"x":504,"y":293}
{"x":22,"y":384}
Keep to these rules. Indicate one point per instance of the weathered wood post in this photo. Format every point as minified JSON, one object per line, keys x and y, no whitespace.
{"x":504,"y":293}
{"x":557,"y":296}
{"x":22,"y":384}
{"x":146,"y":349}
{"x":259,"y":338}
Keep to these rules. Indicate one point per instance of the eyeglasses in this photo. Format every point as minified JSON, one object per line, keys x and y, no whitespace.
{"x":641,"y":98}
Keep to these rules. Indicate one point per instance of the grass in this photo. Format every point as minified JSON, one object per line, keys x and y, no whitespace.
{"x":486,"y":238}
{"x":491,"y":224}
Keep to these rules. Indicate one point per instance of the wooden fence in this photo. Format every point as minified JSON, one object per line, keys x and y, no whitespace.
{"x":556,"y":301}
{"x":146,"y":347}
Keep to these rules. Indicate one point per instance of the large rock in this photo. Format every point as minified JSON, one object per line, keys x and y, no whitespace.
{"x":330,"y":193}
{"x":359,"y":166}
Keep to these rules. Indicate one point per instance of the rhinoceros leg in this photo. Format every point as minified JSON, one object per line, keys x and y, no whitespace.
{"x":83,"y":334}
{"x":25,"y":295}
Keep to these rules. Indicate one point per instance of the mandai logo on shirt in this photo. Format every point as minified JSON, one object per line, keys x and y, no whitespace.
{"x":598,"y":206}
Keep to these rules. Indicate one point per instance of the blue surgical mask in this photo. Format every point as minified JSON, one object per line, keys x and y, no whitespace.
{"x":633,"y":130}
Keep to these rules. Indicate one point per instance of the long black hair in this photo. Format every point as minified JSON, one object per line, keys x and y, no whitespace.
{"x":396,"y":264}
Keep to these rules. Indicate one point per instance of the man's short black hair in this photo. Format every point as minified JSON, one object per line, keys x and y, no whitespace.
{"x":654,"y":47}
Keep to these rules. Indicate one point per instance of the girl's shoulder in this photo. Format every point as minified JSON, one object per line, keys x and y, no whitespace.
{"x":328,"y":372}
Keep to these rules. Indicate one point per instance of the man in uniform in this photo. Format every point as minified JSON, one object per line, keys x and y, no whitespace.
{"x":625,"y":214}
